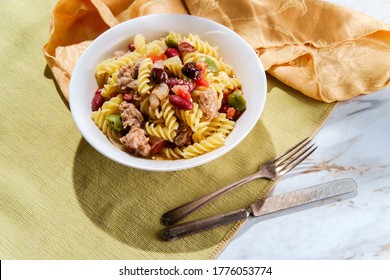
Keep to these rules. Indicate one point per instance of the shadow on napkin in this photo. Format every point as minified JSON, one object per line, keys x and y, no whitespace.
{"x":127,"y":203}
{"x":49,"y":75}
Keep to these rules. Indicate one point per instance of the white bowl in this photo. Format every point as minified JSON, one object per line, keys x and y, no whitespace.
{"x":232,"y":48}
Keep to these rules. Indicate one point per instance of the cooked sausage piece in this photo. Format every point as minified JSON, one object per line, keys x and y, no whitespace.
{"x":127,"y":78}
{"x":130,"y":115}
{"x":136,"y":142}
{"x":183,"y":136}
{"x":208,"y":103}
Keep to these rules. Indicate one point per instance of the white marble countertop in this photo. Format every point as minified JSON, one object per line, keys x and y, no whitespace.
{"x":353,"y":143}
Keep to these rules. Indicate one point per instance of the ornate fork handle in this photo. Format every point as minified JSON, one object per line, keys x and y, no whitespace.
{"x":171,"y":217}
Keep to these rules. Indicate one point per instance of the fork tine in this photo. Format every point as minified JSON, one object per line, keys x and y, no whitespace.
{"x":291,"y":152}
{"x":297,"y":159}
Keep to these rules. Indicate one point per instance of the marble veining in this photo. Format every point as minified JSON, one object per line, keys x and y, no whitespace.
{"x":353,"y":143}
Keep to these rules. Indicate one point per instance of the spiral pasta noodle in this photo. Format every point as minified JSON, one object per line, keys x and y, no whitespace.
{"x":109,"y":107}
{"x":160,"y":131}
{"x":202,"y":46}
{"x":144,"y":76}
{"x":146,"y":109}
{"x":139,"y":44}
{"x":219,"y":124}
{"x":111,"y":86}
{"x":168,"y":113}
{"x":169,"y":153}
{"x":191,"y":117}
{"x":174,"y":66}
{"x":109,"y":66}
{"x":207,"y":145}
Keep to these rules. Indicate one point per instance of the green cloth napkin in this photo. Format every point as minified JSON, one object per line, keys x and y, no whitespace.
{"x":61,"y":199}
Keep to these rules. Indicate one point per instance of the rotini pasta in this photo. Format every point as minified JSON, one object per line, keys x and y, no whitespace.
{"x":191,"y":117}
{"x":175,"y":66}
{"x":210,"y":143}
{"x":202,"y":46}
{"x":108,"y":108}
{"x":144,"y":72}
{"x":107,"y":68}
{"x":170,"y":98}
{"x":219,"y":124}
{"x":168,"y":113}
{"x":146,"y":109}
{"x":139,"y":44}
{"x":111,"y":86}
{"x":160,"y":131}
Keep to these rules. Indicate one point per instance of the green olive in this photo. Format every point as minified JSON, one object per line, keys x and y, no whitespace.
{"x":115,"y":122}
{"x":237,"y":100}
{"x":171,"y":42}
{"x":210,"y":63}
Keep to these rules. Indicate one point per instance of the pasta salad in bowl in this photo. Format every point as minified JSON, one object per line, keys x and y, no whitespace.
{"x":167,"y":92}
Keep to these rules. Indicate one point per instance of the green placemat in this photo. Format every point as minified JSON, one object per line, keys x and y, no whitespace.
{"x":60,"y":199}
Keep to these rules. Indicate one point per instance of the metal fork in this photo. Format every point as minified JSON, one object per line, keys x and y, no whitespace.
{"x":270,"y":170}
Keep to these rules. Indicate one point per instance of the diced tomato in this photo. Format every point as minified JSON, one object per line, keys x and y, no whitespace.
{"x":182,"y":90}
{"x":230,"y":112}
{"x":185,"y":94}
{"x":202,"y":66}
{"x":154,"y":58}
{"x":202,"y":82}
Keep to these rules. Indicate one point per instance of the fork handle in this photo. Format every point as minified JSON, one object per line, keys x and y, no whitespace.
{"x":175,"y":215}
{"x":181,"y":230}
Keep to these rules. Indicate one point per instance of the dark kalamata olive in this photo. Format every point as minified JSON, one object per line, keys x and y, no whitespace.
{"x":171,"y":52}
{"x":185,"y":47}
{"x":180,"y":102}
{"x":97,"y":101}
{"x":159,"y":75}
{"x":191,"y":71}
{"x":131,"y":47}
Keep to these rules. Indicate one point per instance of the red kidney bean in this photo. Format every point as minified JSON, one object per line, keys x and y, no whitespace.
{"x":131,"y":47}
{"x":180,"y":102}
{"x":171,"y":52}
{"x":171,"y":82}
{"x":97,"y":101}
{"x":156,"y":144}
{"x":186,"y":47}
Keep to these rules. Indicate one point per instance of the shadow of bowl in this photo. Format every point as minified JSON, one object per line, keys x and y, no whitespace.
{"x":128,"y":203}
